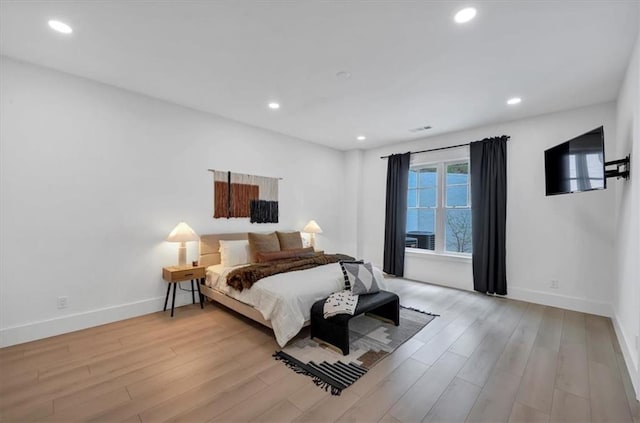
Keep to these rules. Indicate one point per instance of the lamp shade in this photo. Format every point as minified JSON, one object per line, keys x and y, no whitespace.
{"x":312,"y":228}
{"x":182,"y":233}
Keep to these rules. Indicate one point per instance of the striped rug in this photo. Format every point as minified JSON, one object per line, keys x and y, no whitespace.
{"x":370,"y":340}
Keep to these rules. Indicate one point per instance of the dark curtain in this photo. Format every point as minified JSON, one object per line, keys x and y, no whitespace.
{"x":395,"y":224}
{"x":489,"y":214}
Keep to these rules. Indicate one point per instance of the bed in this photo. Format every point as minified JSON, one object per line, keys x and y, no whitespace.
{"x":281,"y":302}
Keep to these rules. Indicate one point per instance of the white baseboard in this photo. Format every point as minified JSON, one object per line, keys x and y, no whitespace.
{"x":584,"y":305}
{"x":72,"y":322}
{"x":627,"y":347}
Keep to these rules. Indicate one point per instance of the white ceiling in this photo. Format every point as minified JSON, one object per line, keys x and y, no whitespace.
{"x":411,"y":65}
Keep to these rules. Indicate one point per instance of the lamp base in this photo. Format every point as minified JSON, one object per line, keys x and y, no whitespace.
{"x":182,"y":255}
{"x":312,"y":240}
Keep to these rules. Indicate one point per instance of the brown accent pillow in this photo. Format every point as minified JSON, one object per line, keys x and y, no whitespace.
{"x":278,"y":255}
{"x":262,"y":243}
{"x":289,"y":240}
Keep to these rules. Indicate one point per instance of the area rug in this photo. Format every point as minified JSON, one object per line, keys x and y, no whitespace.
{"x":370,"y":340}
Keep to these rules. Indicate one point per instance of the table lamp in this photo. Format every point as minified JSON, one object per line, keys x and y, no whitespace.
{"x":313,"y":229}
{"x":182,"y":233}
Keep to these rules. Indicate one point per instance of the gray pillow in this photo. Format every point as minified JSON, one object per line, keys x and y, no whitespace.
{"x":361,"y":278}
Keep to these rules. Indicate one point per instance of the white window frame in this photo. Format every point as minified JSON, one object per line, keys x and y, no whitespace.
{"x":441,"y":205}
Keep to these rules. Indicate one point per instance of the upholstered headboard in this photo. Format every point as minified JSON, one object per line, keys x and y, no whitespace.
{"x":210,"y":245}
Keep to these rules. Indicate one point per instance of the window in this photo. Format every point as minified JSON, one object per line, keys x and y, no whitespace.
{"x":421,"y":207}
{"x":439,"y":208}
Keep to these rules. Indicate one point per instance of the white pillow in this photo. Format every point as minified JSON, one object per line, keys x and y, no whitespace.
{"x":233,"y":253}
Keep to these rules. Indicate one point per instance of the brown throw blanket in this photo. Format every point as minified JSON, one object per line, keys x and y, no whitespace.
{"x":245,"y":277}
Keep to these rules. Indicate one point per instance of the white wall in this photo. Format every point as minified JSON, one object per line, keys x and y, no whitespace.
{"x":93,"y":179}
{"x":626,"y":302}
{"x":567,"y":237}
{"x":351,"y":188}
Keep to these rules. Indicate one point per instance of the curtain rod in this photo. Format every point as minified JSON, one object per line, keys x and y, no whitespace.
{"x":440,"y":148}
{"x":274,"y":177}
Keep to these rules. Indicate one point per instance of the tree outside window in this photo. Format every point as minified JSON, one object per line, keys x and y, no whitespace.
{"x":439,"y":208}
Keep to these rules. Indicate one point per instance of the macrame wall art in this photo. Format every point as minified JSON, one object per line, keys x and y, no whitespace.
{"x":240,"y":195}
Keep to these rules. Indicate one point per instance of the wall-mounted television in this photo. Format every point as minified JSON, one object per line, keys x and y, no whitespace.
{"x":576,"y":165}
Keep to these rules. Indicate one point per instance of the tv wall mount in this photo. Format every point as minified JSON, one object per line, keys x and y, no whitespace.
{"x":622,"y":168}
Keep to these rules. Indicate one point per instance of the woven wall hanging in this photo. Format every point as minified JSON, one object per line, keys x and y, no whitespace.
{"x":241,"y":195}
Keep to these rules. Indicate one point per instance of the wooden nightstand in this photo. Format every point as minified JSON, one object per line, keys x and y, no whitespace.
{"x":176,"y":274}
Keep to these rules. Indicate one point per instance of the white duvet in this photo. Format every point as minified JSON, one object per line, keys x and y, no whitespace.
{"x":285,"y":299}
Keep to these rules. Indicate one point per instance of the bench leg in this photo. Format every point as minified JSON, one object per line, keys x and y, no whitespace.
{"x":389,"y":311}
{"x":334,"y":333}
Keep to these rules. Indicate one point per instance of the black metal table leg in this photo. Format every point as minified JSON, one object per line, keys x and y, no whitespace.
{"x":166,"y":298}
{"x":173,"y":303}
{"x":200,"y":293}
{"x":193,"y":298}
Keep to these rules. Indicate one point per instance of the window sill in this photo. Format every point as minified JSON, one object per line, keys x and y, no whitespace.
{"x":417,"y":252}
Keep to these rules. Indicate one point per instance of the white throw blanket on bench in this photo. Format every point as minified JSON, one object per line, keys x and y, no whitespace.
{"x":341,"y":302}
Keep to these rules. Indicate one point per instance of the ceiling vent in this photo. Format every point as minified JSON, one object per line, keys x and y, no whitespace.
{"x":420,"y":129}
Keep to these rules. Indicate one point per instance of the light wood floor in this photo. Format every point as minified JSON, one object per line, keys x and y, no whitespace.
{"x":484,"y":360}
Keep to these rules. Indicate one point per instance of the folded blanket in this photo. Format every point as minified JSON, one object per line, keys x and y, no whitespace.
{"x":245,"y":277}
{"x":341,"y":302}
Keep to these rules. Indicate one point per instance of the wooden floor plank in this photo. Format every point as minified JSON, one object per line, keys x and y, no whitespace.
{"x":572,"y":374}
{"x":536,"y":389}
{"x":329,"y":409}
{"x":307,"y":396}
{"x":43,"y":390}
{"x":569,"y":408}
{"x":472,"y":338}
{"x":189,"y":370}
{"x":431,"y":351}
{"x":496,"y":399}
{"x":85,"y":410}
{"x":216,"y":403}
{"x":283,"y":412}
{"x":550,"y":331}
{"x":262,"y":402}
{"x":165,"y":400}
{"x":455,"y":402}
{"x":416,"y":402}
{"x":28,"y":412}
{"x":521,"y":413}
{"x":481,"y":363}
{"x":516,"y":353}
{"x":574,"y":328}
{"x":376,"y":403}
{"x":448,"y":314}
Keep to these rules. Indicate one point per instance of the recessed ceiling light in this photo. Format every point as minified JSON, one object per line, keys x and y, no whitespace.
{"x":60,"y":27}
{"x":274,"y":105}
{"x":343,"y":75}
{"x":514,"y":100}
{"x":361,"y":138}
{"x":465,"y":15}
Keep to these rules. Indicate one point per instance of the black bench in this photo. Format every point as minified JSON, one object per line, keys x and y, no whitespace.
{"x":335,"y":329}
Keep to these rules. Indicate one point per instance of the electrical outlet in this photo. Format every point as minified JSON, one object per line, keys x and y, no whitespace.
{"x":63,"y":302}
{"x":555,"y":284}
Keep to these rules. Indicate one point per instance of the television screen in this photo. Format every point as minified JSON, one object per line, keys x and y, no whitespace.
{"x":576,"y":165}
